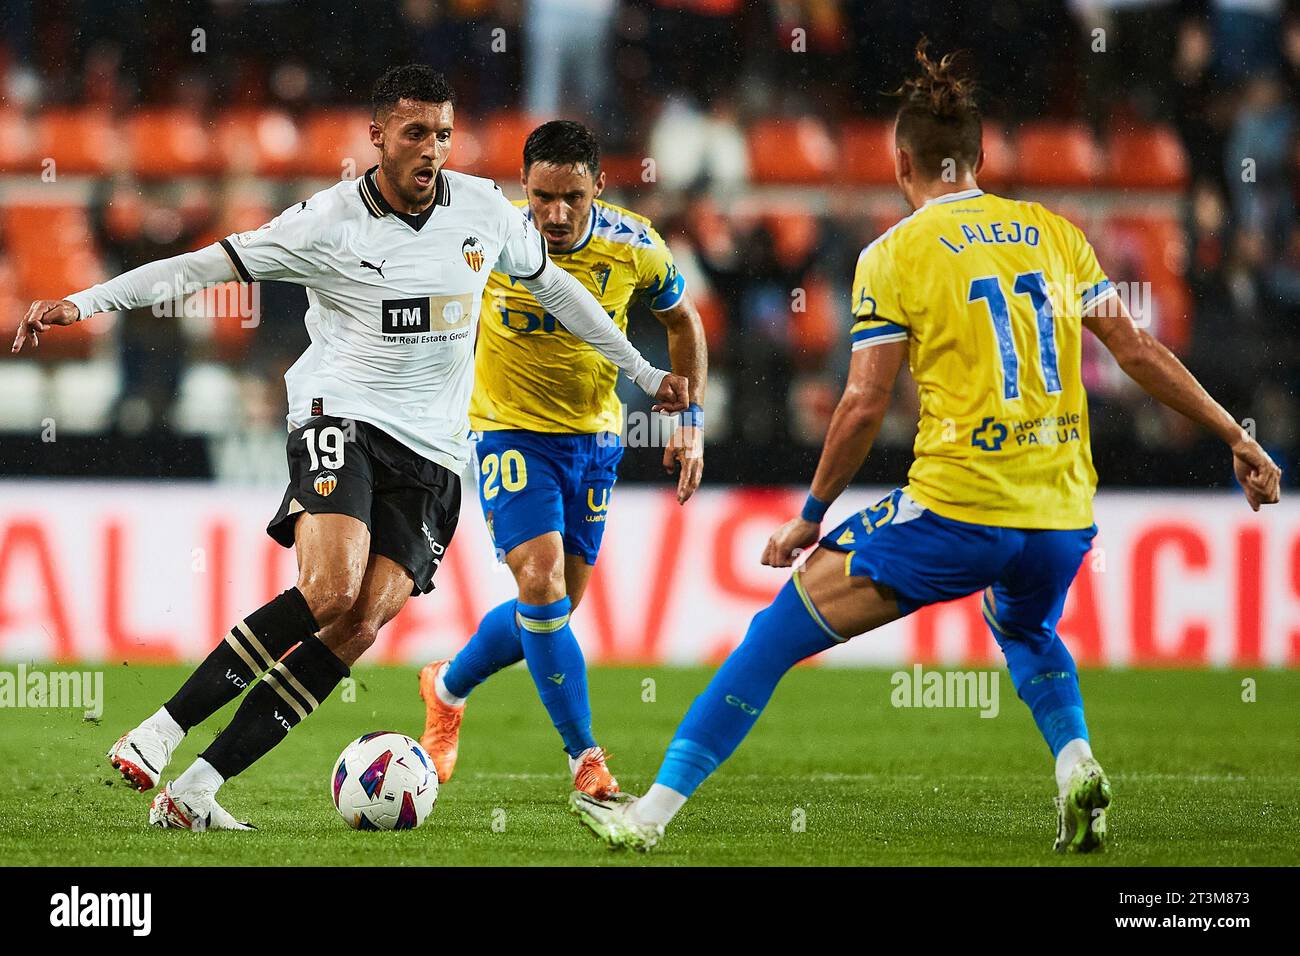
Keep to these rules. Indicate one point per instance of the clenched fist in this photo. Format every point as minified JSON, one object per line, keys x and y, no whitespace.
{"x":673,"y":394}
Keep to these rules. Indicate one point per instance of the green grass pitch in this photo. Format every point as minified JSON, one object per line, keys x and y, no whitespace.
{"x":833,"y":774}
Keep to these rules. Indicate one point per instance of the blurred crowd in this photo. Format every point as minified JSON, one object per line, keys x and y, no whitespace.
{"x":681,"y":81}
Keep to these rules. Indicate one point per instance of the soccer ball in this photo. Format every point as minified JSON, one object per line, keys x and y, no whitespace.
{"x":384,"y":781}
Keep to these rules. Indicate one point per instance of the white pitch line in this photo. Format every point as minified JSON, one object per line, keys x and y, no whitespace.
{"x":936,"y":777}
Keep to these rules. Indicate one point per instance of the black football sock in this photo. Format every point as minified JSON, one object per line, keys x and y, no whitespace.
{"x":253,"y":645}
{"x":281,"y":700}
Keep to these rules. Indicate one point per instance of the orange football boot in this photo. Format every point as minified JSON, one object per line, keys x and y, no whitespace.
{"x":441,"y":736}
{"x":592,"y":776}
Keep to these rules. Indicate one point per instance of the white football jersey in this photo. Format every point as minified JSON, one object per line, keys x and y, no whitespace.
{"x":392,"y":302}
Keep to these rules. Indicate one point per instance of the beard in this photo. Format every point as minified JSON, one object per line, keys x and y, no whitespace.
{"x":404,"y":185}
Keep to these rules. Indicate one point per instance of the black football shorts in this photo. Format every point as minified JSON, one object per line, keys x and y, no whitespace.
{"x":343,"y":466}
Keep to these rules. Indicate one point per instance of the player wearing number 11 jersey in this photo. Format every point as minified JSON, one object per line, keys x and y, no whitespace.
{"x":986,"y":299}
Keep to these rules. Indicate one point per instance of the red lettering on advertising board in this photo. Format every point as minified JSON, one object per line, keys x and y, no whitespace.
{"x":122,"y":644}
{"x":24,"y":544}
{"x":1250,"y":598}
{"x":769,"y":510}
{"x":659,"y":575}
{"x":1189,"y":644}
{"x":1293,"y":654}
{"x":453,"y":598}
{"x":214,"y":573}
{"x":968,"y":611}
{"x":1080,"y":626}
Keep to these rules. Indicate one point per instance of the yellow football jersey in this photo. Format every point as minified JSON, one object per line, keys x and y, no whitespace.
{"x":988,"y":293}
{"x":532,"y":373}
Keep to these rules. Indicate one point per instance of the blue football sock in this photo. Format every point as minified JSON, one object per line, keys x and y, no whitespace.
{"x":1047,"y":680}
{"x":559,"y":671}
{"x":496,"y":644}
{"x":778,"y":638}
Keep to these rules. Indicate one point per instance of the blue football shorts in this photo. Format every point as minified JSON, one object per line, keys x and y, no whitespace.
{"x":530,"y":483}
{"x":925,"y":558}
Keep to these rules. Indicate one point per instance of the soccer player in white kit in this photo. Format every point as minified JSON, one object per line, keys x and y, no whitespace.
{"x":394,"y":265}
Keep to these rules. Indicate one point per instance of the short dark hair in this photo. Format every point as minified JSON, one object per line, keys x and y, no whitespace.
{"x":939,"y":118}
{"x":562,"y":143}
{"x":414,"y":81}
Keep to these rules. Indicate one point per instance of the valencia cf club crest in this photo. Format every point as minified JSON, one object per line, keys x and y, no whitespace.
{"x":472,"y":250}
{"x":325,"y":483}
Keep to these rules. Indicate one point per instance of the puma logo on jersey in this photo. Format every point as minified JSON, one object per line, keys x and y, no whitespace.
{"x":378,"y":268}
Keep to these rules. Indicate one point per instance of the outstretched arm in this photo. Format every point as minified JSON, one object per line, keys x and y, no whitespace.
{"x":853,"y":428}
{"x":578,"y":311}
{"x":160,"y":281}
{"x":690,"y":359}
{"x":1167,"y":380}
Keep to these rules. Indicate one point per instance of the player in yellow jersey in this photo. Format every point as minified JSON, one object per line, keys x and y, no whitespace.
{"x":986,"y":299}
{"x":549,"y":425}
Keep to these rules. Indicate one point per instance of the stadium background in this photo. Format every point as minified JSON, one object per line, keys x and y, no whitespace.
{"x":142,"y":455}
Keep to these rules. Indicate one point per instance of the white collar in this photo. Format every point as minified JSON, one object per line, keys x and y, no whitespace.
{"x":954,"y":197}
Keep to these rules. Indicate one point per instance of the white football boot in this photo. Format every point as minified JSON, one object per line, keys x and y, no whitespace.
{"x":612,"y":823}
{"x":195,"y":810}
{"x":1081,"y":810}
{"x":141,"y":756}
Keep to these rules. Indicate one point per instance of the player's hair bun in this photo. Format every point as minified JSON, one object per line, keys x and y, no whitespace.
{"x":939,"y":90}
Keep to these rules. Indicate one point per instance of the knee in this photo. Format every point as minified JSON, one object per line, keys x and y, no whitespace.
{"x":350,"y":637}
{"x":360,"y":637}
{"x":330,"y":595}
{"x":540,"y":580}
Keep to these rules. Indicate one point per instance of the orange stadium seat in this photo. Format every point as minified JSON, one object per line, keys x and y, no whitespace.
{"x":791,"y":150}
{"x":17,"y":142}
{"x":999,"y":157}
{"x":867,"y":153}
{"x":1153,"y":247}
{"x":170,"y":142}
{"x":226,"y":308}
{"x":41,"y":229}
{"x":79,"y":140}
{"x":813,"y":329}
{"x":1146,"y":158}
{"x":336,"y":144}
{"x":267,"y":142}
{"x":51,"y":253}
{"x":1057,"y":154}
{"x":501,"y":146}
{"x":794,"y":233}
{"x":713,"y":316}
{"x":466,"y":148}
{"x":623,"y":170}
